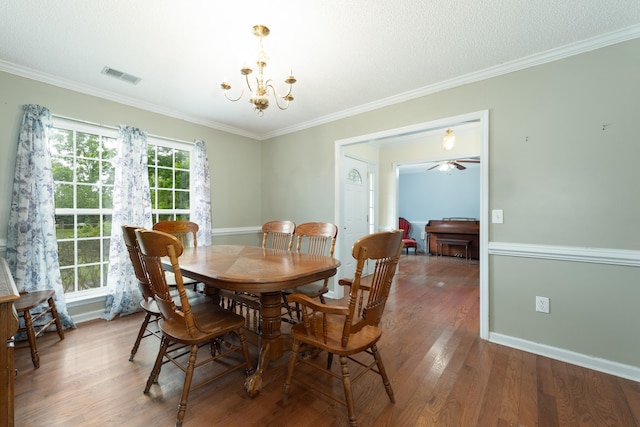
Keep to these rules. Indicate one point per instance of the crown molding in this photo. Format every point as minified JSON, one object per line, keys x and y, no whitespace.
{"x":593,"y":43}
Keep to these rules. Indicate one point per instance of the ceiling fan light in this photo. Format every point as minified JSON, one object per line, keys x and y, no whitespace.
{"x":448,"y":140}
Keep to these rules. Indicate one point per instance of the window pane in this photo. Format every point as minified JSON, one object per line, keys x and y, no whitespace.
{"x":64,"y":226}
{"x":182,"y":179}
{"x":151,"y":154}
{"x":88,"y":197}
{"x":62,"y":169}
{"x":182,"y":200}
{"x":107,"y":197}
{"x":105,"y":250}
{"x":182,"y":216}
{"x":106,"y":226}
{"x":87,"y":170}
{"x":105,"y":272}
{"x":165,"y":156}
{"x":88,"y":251}
{"x":63,"y":196}
{"x":182,"y":159}
{"x":87,"y":145}
{"x":152,"y":177}
{"x":61,"y":142}
{"x":165,"y":178}
{"x":89,"y":226}
{"x":88,"y":277}
{"x":108,"y":173}
{"x":109,"y":148}
{"x":68,"y":279}
{"x":165,"y":199}
{"x":66,"y":253}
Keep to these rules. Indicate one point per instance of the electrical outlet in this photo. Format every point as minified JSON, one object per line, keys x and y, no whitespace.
{"x":542,"y":305}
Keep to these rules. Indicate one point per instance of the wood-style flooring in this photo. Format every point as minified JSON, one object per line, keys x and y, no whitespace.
{"x":441,"y":372}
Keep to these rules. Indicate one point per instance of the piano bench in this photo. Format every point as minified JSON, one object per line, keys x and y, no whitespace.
{"x":453,"y":242}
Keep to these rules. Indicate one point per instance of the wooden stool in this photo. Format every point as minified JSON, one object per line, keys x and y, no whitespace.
{"x":27,"y":302}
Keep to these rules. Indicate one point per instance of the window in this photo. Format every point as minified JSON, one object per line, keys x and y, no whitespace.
{"x":83,"y":173}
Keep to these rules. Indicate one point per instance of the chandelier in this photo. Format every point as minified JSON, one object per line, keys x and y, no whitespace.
{"x":260,"y":87}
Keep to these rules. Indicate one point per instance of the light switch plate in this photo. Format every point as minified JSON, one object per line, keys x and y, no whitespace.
{"x":497,"y":216}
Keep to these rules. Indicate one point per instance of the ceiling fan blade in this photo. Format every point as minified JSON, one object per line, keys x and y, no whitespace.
{"x":468,"y":161}
{"x":433,"y":167}
{"x":459,"y":166}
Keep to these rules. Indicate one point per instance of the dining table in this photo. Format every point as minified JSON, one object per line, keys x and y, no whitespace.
{"x":263,"y":272}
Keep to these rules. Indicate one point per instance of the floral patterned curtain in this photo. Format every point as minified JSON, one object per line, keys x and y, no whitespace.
{"x":201,"y":193}
{"x":131,"y":206}
{"x":32,"y":248}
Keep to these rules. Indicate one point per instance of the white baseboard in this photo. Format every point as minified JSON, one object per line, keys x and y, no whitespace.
{"x":87,"y":316}
{"x":602,"y":365}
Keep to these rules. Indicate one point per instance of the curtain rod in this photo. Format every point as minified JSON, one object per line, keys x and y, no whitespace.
{"x":58,"y":116}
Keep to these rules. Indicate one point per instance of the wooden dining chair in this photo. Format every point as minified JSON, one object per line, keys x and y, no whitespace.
{"x":147,"y":303}
{"x":278,"y":234}
{"x":185,"y":231}
{"x":315,"y":238}
{"x":29,"y":301}
{"x":275,"y":235}
{"x":348,"y":330}
{"x":189,"y":325}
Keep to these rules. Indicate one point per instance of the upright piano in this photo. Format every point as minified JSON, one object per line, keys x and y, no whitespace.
{"x":464,"y":229}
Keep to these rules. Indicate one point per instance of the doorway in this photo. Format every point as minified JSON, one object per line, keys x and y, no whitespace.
{"x":388,"y":184}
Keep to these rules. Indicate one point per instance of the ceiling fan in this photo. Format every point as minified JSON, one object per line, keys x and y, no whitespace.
{"x":450,"y":164}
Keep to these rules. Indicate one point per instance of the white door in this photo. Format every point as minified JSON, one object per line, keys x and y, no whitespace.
{"x":355,"y":208}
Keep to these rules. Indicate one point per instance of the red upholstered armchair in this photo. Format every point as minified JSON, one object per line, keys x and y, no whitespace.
{"x":409,"y":242}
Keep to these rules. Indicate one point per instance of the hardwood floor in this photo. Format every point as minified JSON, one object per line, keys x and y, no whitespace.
{"x":441,"y":372}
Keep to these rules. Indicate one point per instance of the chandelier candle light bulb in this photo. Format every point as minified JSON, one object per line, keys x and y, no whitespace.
{"x":261,"y":87}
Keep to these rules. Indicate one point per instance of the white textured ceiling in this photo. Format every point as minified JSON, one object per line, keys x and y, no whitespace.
{"x":348,"y":56}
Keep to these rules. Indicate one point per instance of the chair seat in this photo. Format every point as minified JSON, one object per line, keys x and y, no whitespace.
{"x":150,"y":306}
{"x":358,"y":341}
{"x":33,"y":299}
{"x":212,"y":321}
{"x":312,"y":290}
{"x":171,"y":280}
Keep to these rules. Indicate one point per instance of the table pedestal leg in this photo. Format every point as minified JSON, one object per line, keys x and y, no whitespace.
{"x":271,"y":346}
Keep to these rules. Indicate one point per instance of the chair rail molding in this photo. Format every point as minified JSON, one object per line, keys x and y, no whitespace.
{"x":609,"y":256}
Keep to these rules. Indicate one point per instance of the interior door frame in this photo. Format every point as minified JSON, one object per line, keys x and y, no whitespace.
{"x":483,"y":118}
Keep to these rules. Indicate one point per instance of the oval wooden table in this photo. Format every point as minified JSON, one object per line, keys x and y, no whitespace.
{"x":265,"y":272}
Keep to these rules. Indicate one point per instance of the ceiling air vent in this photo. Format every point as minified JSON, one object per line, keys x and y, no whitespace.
{"x":120,"y":75}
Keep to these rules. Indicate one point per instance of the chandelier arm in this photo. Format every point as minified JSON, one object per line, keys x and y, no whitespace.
{"x":231,"y":99}
{"x":246,"y":77}
{"x":269,"y":85}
